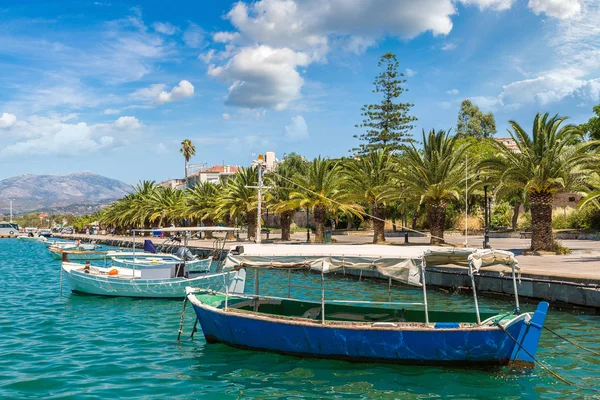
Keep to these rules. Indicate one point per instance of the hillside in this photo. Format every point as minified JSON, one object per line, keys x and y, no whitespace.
{"x":35,"y":192}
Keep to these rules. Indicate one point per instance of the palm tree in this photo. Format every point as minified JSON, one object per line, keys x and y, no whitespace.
{"x":321,"y":190}
{"x":278,"y":198}
{"x":201,"y":202}
{"x":237,"y":200}
{"x":167,"y":205}
{"x":369,"y":180}
{"x":552,"y":160}
{"x":435,"y":175}
{"x":188,"y":150}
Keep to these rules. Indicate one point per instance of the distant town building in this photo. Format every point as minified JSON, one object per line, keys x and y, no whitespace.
{"x":510,"y":143}
{"x":217,"y":173}
{"x":173,"y":184}
{"x":270,"y":160}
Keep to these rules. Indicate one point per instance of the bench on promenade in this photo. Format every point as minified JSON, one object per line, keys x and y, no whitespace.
{"x":525,"y":234}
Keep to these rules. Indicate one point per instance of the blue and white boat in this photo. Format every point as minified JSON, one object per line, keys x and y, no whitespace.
{"x":367,"y":331}
{"x":139,"y":274}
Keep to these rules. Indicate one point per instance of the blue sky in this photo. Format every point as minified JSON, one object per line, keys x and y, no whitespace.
{"x":114,"y":86}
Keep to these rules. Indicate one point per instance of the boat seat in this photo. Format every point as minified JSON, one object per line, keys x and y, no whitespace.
{"x":311,"y":313}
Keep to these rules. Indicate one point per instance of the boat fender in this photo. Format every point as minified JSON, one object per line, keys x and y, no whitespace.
{"x":113,"y":271}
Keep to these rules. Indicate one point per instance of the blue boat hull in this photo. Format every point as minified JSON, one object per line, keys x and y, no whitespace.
{"x":417,"y":344}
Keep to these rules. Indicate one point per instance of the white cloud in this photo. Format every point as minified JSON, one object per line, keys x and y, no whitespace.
{"x":207,"y":56}
{"x":561,"y":9}
{"x":410,"y":72}
{"x":358,"y":44}
{"x":297,"y":129}
{"x":288,"y":34}
{"x":127,"y":122}
{"x":225,"y":37}
{"x":497,"y":5}
{"x":262,"y":76}
{"x":226,"y":116}
{"x":112,"y":111}
{"x":182,"y":90}
{"x":452,"y":91}
{"x":150,"y":93}
{"x":165,"y":27}
{"x":7,"y":120}
{"x":549,"y":88}
{"x":193,"y":36}
{"x":53,"y":136}
{"x":448,"y":47}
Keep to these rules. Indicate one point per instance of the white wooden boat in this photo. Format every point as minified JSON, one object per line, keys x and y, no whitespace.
{"x":149,"y":282}
{"x":77,"y":254}
{"x":27,"y":238}
{"x":139,"y":274}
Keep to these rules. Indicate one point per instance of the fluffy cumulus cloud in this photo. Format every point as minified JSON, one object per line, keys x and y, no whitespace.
{"x":57,"y":136}
{"x":562,"y":9}
{"x":297,"y":129}
{"x":549,"y":88}
{"x":262,"y":76}
{"x":452,"y":91}
{"x":7,"y":120}
{"x":182,"y":90}
{"x":274,"y":38}
{"x":157,"y":94}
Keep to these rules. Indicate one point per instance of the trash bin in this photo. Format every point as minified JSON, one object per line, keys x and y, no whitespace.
{"x":328,"y":236}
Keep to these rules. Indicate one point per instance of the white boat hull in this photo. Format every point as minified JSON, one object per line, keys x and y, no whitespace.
{"x":32,"y":238}
{"x":123,"y":285}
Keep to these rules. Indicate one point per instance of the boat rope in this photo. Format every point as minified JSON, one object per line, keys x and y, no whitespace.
{"x":360,"y":212}
{"x":571,"y":342}
{"x":194,"y":330}
{"x":182,"y":318}
{"x":553,"y":373}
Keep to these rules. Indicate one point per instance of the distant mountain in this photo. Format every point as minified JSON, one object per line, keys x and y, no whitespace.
{"x":36,"y":192}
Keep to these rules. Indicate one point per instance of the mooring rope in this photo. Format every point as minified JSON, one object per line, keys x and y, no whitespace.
{"x":571,"y":342}
{"x":194,"y":328}
{"x":553,"y":373}
{"x":182,"y":318}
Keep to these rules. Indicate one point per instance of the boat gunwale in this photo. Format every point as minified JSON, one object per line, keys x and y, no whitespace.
{"x":348,"y":325}
{"x":75,"y":272}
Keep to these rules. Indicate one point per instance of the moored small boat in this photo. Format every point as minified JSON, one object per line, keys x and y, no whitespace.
{"x":364,"y":331}
{"x":150,"y":275}
{"x":31,"y":238}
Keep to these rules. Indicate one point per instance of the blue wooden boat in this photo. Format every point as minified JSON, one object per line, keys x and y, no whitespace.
{"x":368,"y":331}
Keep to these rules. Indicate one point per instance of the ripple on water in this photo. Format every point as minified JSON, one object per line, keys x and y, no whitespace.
{"x":85,"y":346}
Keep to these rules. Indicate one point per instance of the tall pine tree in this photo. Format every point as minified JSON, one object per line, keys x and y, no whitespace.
{"x":387,"y":123}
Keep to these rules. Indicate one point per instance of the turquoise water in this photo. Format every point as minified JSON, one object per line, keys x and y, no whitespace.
{"x":76,"y":346}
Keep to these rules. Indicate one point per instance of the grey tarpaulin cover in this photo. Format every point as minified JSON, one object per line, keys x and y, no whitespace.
{"x":401,"y":263}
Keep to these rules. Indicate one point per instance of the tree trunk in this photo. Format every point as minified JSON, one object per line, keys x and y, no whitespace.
{"x":378,"y":223}
{"x":414,"y":219}
{"x":541,"y":221}
{"x":208,"y":222}
{"x":286,"y":222}
{"x":230,"y":221}
{"x":436,"y":216}
{"x":319,"y":215}
{"x":251,"y":219}
{"x":515,"y":217}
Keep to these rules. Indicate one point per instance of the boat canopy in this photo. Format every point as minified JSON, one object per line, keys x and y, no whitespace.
{"x":401,"y":263}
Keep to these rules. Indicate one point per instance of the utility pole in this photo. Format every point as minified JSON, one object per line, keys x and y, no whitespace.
{"x":260,"y":165}
{"x":11,"y":211}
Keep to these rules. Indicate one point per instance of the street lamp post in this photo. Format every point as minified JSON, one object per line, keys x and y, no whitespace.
{"x":307,"y":226}
{"x":486,"y":232}
{"x":404,"y":224}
